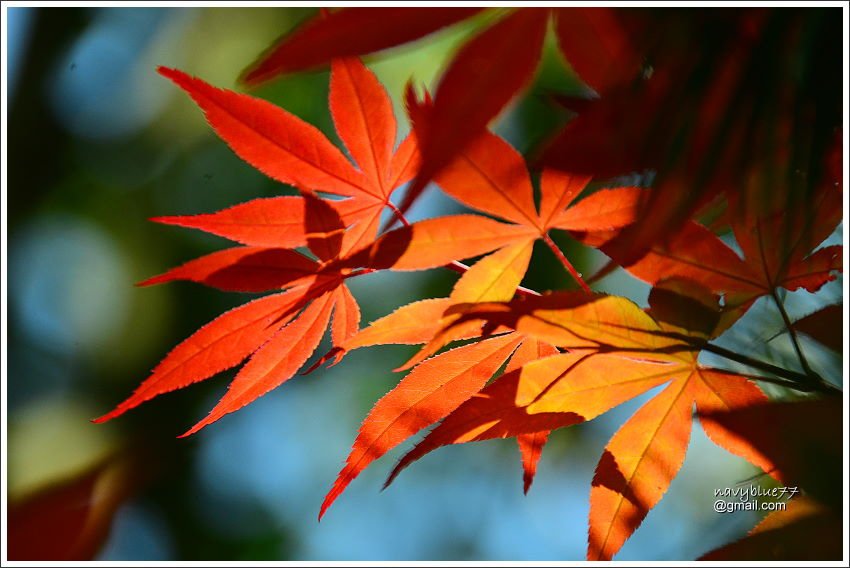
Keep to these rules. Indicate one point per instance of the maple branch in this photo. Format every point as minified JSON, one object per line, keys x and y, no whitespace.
{"x":567,"y":264}
{"x":772,"y":380}
{"x":798,"y":381}
{"x":793,"y":334}
{"x":810,"y":376}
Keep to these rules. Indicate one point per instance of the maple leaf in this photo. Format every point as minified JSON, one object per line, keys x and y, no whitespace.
{"x":794,"y":435}
{"x":780,"y":244}
{"x":482,"y":78}
{"x":779,"y":251}
{"x":278,"y":333}
{"x":350,"y":32}
{"x":824,"y":326}
{"x":530,"y":445}
{"x":803,"y":530}
{"x":568,"y":357}
{"x":489,"y":175}
{"x":291,"y":151}
{"x":76,"y":513}
{"x":434,"y":387}
{"x":219,"y":345}
{"x":428,"y":393}
{"x":617,"y":352}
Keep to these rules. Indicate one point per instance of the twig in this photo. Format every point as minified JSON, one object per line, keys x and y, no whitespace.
{"x":792,"y":333}
{"x":460,"y":268}
{"x":803,"y":382}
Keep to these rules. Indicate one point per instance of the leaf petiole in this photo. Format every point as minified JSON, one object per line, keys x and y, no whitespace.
{"x":566,"y":263}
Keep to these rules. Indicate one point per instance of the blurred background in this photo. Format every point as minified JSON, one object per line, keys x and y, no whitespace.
{"x":98,"y":143}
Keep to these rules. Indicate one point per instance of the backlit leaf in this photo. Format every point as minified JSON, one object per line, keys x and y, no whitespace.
{"x":243,"y":269}
{"x":604,"y":210}
{"x":482,"y":78}
{"x":557,"y":191}
{"x":267,"y":222}
{"x":530,"y":445}
{"x":364,"y":119}
{"x":436,"y":242}
{"x":637,"y":467}
{"x":346,"y":318}
{"x":489,"y":175}
{"x":275,"y":142}
{"x":530,"y":448}
{"x":275,"y":362}
{"x":431,"y":391}
{"x":223,"y":343}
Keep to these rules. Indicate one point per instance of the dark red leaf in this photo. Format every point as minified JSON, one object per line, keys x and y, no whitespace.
{"x":598,"y":46}
{"x":351,"y":31}
{"x":69,"y":521}
{"x":482,"y":78}
{"x":824,"y":326}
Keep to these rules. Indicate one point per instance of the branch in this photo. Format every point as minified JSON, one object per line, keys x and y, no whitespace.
{"x":772,"y":380}
{"x":791,"y":332}
{"x":809,"y":375}
{"x":802,"y":382}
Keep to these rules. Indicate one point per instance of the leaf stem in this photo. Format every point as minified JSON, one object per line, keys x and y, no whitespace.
{"x":809,"y":376}
{"x":793,"y":334}
{"x":803,"y":382}
{"x":397,"y":214}
{"x":567,"y":264}
{"x":460,"y":268}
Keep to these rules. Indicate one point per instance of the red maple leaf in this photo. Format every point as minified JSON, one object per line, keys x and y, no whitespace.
{"x":279,"y":332}
{"x":481,"y":79}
